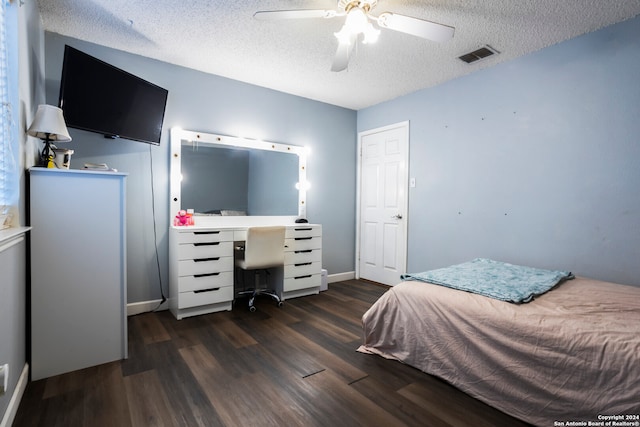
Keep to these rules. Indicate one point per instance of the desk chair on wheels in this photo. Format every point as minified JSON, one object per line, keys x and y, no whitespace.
{"x":263,"y":249}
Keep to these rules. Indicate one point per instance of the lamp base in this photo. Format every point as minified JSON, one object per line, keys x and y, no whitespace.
{"x":46,"y":157}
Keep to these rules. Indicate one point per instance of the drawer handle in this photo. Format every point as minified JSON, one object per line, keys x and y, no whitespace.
{"x":197,"y":276}
{"x":206,"y":232}
{"x":206,"y":244}
{"x":302,"y":263}
{"x":303,"y":252}
{"x":303,"y":238}
{"x":199,"y":291}
{"x":206,"y":259}
{"x":302,"y":277}
{"x":303,"y":229}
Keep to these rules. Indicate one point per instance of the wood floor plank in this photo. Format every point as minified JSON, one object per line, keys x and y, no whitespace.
{"x":61,"y":384}
{"x":152,"y":330}
{"x":409,"y":412}
{"x":303,"y":353}
{"x":324,"y":323}
{"x":240,"y":400}
{"x":62,"y":410}
{"x":188,"y":401}
{"x":327,"y":313}
{"x":457,"y":409}
{"x":361,"y":290}
{"x":149,"y":404}
{"x":104,"y":403}
{"x":290,"y":366}
{"x":187,"y":332}
{"x":350,"y":310}
{"x":344,"y":405}
{"x":236,"y":335}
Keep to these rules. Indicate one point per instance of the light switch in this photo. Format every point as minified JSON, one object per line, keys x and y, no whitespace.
{"x":412,"y":182}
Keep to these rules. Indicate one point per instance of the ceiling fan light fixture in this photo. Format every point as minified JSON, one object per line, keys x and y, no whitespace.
{"x":344,"y":35}
{"x":357,"y":22}
{"x":370,"y":34}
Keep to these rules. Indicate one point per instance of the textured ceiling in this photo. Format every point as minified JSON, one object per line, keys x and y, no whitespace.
{"x":294,"y":56}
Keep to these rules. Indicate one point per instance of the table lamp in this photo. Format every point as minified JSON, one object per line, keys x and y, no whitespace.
{"x":49,"y":125}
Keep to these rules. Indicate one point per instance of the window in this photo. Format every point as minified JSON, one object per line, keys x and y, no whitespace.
{"x":8,"y":170}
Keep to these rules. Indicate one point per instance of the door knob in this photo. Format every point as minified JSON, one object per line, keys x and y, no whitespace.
{"x":397,"y":216}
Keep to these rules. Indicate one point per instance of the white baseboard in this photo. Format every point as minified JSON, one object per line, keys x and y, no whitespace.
{"x":14,"y":403}
{"x":339,"y":277}
{"x":146,"y":306}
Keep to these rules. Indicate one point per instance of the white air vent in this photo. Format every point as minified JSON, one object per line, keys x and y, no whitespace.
{"x":476,"y":55}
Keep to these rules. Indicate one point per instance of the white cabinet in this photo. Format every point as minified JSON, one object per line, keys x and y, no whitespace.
{"x":78,"y":270}
{"x":201,"y":271}
{"x":303,"y":261}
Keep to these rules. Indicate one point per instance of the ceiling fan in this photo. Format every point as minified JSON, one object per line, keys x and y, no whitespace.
{"x":359,"y":21}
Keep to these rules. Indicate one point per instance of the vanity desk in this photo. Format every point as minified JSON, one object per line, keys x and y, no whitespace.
{"x":219,"y":176}
{"x":202,"y":263}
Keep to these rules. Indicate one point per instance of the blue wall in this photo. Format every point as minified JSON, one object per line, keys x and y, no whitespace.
{"x":534,"y":161}
{"x":207,"y":103}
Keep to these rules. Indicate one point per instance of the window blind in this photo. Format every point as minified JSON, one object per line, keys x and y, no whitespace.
{"x":8,"y":191}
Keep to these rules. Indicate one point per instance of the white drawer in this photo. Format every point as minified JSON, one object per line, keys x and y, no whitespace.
{"x":201,"y":250}
{"x":302,"y":269}
{"x":204,"y":297}
{"x":303,"y":243}
{"x":206,"y":281}
{"x":295,"y":283}
{"x":303,"y":231}
{"x":306,"y":255}
{"x":205,"y":266}
{"x":205,"y":236}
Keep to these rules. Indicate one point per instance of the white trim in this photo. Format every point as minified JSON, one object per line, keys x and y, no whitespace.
{"x":405,"y":125}
{"x":146,"y":306}
{"x":339,"y":277}
{"x":12,"y":236}
{"x":14,"y":403}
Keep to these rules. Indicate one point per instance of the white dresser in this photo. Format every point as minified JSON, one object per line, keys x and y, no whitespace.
{"x":78,"y":269}
{"x":302,"y":261}
{"x":201,"y":268}
{"x":201,"y":271}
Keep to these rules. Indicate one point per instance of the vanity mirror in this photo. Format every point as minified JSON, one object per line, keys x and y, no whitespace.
{"x":220,"y":175}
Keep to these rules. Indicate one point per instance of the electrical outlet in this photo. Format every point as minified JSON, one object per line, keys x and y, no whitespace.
{"x":4,"y":378}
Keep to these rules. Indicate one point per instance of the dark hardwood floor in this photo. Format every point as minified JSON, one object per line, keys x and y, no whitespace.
{"x":290,"y":366}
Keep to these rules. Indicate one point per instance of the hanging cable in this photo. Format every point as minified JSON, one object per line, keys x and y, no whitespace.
{"x":155,"y":231}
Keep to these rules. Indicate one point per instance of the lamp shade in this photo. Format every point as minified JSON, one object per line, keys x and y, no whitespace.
{"x":49,"y":124}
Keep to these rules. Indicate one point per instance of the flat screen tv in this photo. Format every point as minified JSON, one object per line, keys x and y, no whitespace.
{"x":98,"y":97}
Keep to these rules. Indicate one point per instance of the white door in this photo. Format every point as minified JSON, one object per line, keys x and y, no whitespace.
{"x":382,"y":204}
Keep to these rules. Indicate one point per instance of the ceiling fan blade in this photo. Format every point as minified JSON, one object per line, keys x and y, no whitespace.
{"x":341,"y":60}
{"x":416,"y":27}
{"x":268,"y":15}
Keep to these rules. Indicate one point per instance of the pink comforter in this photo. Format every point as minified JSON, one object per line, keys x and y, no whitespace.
{"x":570,"y":355}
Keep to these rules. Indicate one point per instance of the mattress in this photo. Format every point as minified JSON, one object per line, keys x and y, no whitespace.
{"x":572,"y":354}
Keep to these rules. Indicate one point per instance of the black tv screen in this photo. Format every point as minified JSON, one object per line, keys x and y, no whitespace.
{"x":98,"y":97}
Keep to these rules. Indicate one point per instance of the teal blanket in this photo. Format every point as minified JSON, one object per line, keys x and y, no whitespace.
{"x":494,"y":279}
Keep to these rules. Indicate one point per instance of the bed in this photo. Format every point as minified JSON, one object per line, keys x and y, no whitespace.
{"x":571,"y":353}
